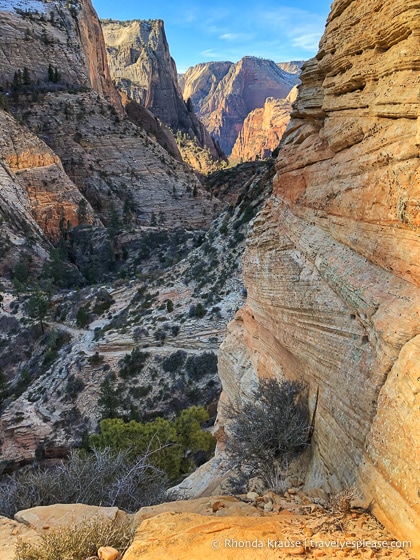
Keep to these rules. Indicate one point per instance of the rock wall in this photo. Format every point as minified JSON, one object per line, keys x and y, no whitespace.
{"x":50,"y":196}
{"x":332,"y":261}
{"x":90,"y":143}
{"x":68,"y":38}
{"x":225,"y":93}
{"x":263,"y":128}
{"x":142,"y":67}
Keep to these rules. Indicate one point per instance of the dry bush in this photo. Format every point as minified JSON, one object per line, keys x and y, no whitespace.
{"x":103,"y":477}
{"x":341,"y":502}
{"x":76,"y":542}
{"x":269,"y":430}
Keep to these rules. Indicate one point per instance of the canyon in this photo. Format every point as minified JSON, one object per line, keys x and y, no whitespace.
{"x":315,"y":255}
{"x":224,"y":94}
{"x":142,"y":67}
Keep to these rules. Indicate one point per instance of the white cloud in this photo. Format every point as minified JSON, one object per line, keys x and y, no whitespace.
{"x":236,"y":36}
{"x":308,"y":42}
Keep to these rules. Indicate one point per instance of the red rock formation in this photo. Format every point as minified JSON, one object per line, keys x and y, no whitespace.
{"x":93,"y":45}
{"x":262,"y":129}
{"x":332,"y":263}
{"x":51,"y":197}
{"x":225,"y":93}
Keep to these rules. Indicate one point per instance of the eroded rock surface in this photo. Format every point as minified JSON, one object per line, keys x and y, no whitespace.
{"x":142,"y":67}
{"x":225,"y":93}
{"x":332,"y":262}
{"x":263,"y":128}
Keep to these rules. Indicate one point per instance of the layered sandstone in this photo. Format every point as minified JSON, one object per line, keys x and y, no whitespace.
{"x":70,"y":39}
{"x":263,"y":128}
{"x":106,"y":156}
{"x":292,"y":67}
{"x":52,"y":198}
{"x":332,"y":263}
{"x":225,"y":93}
{"x":142,"y":67}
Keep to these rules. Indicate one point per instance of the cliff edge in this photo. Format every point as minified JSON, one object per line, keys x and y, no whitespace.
{"x":332,"y":262}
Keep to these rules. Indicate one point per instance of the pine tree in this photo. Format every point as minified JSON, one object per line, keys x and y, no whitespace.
{"x":108,"y":399}
{"x":26,"y":78}
{"x":82,"y":213}
{"x":50,"y":73}
{"x":38,"y":305}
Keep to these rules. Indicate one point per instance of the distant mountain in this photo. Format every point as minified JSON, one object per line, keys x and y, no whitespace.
{"x":263,"y":129}
{"x":224,"y":93}
{"x":292,"y":67}
{"x":142,"y":67}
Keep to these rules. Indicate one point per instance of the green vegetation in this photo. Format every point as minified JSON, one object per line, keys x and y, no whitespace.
{"x":172,"y":444}
{"x":108,"y":400}
{"x":83,"y":317}
{"x":133,"y":363}
{"x":38,"y":305}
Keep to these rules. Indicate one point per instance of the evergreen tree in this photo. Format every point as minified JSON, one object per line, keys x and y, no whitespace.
{"x":82,"y":213}
{"x":26,"y":78}
{"x":38,"y":305}
{"x":108,"y":399}
{"x":114,"y":224}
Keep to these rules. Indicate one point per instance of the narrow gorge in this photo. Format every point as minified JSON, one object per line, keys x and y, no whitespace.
{"x":142,"y":275}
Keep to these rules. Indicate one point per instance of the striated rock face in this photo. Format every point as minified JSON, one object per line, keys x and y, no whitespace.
{"x":51,"y":33}
{"x":51,"y":196}
{"x":142,"y":67}
{"x":263,"y":128}
{"x":225,"y":93}
{"x":332,"y":262}
{"x":142,"y":117}
{"x":110,"y":160}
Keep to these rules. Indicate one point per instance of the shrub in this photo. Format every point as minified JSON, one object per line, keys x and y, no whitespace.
{"x":200,"y":365}
{"x":78,"y":541}
{"x":132,"y":364}
{"x":272,"y":426}
{"x":82,"y":317}
{"x":95,"y":359}
{"x":104,"y":477}
{"x":74,"y":386}
{"x":174,"y":361}
{"x":170,"y":444}
{"x":197,"y":311}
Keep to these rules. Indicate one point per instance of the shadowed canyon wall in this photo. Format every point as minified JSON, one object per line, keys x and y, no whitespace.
{"x":332,"y":261}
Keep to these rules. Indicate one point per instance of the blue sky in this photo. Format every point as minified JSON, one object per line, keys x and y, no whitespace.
{"x":201,"y":31}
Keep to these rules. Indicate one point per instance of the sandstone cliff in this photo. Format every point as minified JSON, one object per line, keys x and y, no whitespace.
{"x":292,"y":67}
{"x":142,"y":67}
{"x":225,"y":93}
{"x":50,"y":196}
{"x":67,"y":37}
{"x":68,"y":100}
{"x":332,"y":263}
{"x":263,"y":128}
